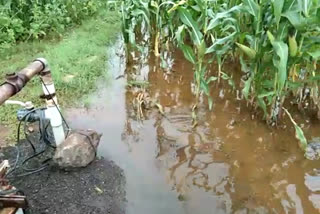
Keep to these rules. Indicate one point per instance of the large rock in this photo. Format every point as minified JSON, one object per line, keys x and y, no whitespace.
{"x":78,"y":150}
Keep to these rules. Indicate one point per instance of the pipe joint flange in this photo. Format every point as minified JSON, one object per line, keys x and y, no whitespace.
{"x":17,"y":81}
{"x":44,"y":63}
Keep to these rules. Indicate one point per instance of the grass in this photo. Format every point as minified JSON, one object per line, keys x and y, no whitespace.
{"x":77,"y":60}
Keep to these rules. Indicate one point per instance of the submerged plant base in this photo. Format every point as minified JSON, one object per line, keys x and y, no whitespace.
{"x":228,"y":163}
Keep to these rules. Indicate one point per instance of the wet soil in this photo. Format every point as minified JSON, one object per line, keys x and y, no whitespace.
{"x":232,"y":162}
{"x":97,"y":188}
{"x":4,"y":131}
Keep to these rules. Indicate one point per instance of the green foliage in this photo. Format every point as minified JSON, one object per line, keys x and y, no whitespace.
{"x":77,"y":62}
{"x":32,"y":19}
{"x":277,"y":43}
{"x":299,"y":133}
{"x":282,"y":33}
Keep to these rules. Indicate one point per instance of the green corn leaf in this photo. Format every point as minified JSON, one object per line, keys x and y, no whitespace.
{"x":188,"y":53}
{"x":215,"y":46}
{"x":304,"y":6}
{"x":315,"y":54}
{"x":283,"y":30}
{"x":187,"y":19}
{"x":300,"y":22}
{"x":266,"y":94}
{"x":278,"y":6}
{"x":211,"y":79}
{"x":221,"y":16}
{"x":180,"y":34}
{"x":300,"y":136}
{"x":246,"y":89}
{"x":138,"y":12}
{"x":299,"y":133}
{"x":295,"y":19}
{"x":262,"y":105}
{"x":252,"y":7}
{"x":280,"y":62}
{"x":204,"y":87}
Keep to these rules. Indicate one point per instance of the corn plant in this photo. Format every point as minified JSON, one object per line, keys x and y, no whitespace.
{"x":211,"y":33}
{"x":279,"y":45}
{"x":278,"y":42}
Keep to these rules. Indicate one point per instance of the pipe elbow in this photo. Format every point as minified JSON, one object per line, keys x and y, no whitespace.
{"x":44,"y":62}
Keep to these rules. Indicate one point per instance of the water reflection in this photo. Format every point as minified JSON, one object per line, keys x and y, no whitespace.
{"x":229,"y":163}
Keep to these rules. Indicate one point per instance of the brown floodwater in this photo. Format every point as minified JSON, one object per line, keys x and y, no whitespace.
{"x":229,"y":163}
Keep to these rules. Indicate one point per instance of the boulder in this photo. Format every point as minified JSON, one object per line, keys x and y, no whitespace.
{"x":78,"y":150}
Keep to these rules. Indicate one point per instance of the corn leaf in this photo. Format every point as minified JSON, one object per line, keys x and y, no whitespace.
{"x":315,"y":54}
{"x":278,"y":6}
{"x":299,"y":133}
{"x":222,"y":15}
{"x":187,"y":19}
{"x":252,"y":7}
{"x":280,"y":62}
{"x":188,"y":53}
{"x":246,"y":89}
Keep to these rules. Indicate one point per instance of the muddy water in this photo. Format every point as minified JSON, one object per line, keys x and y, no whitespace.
{"x":229,"y":163}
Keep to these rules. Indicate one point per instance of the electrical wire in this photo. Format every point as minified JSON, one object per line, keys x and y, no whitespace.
{"x":90,"y":141}
{"x":26,"y":135}
{"x":55,"y":104}
{"x":43,"y":141}
{"x":18,"y":140}
{"x":64,"y":120}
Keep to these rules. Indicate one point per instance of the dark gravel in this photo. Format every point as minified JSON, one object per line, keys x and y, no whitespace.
{"x":98,"y":188}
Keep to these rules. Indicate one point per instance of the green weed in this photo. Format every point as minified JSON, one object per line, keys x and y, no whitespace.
{"x":32,"y":19}
{"x":76,"y":61}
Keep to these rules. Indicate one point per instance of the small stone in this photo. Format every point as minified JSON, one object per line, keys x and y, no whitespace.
{"x":30,"y":129}
{"x":98,"y":190}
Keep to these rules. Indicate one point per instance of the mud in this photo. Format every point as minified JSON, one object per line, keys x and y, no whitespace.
{"x":98,"y":188}
{"x":232,"y":162}
{"x":4,"y":132}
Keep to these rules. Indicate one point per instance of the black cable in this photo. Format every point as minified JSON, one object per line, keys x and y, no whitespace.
{"x":18,"y":140}
{"x":54,"y":102}
{"x":18,"y":152}
{"x":43,"y":138}
{"x":26,"y":135}
{"x":90,"y":141}
{"x":47,"y":137}
{"x":33,"y":172}
{"x":31,"y":157}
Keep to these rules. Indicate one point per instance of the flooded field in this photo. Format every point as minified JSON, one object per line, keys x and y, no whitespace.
{"x":230,"y":162}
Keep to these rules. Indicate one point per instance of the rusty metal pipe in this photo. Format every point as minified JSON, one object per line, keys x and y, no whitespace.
{"x":16,"y":81}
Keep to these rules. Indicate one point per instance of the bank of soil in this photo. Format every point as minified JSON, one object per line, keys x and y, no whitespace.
{"x":4,"y":131}
{"x":98,"y":188}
